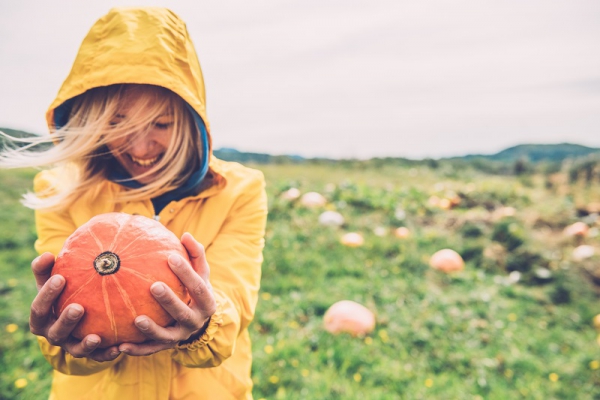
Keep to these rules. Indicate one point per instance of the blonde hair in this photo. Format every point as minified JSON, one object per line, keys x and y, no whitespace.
{"x":81,"y":145}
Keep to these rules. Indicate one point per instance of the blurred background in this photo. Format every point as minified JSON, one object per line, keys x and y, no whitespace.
{"x":349,"y":79}
{"x":433,"y":174}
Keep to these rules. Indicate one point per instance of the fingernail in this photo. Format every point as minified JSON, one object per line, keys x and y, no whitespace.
{"x":93,"y":342}
{"x":124,"y":350}
{"x":175,"y":259}
{"x":143,"y":323}
{"x":74,"y":312}
{"x":158,"y":288}
{"x":55,"y":282}
{"x":114,"y":353}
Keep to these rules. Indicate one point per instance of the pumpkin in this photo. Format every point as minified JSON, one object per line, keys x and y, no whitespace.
{"x":109,"y":264}
{"x":577,"y":229}
{"x":350,"y":317}
{"x":447,"y":260}
{"x":331,"y":218}
{"x":290,"y":194}
{"x":352,"y":239}
{"x":402,"y":232}
{"x":313,"y":200}
{"x":583,"y":252}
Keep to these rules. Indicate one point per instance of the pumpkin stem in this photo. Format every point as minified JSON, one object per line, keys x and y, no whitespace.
{"x":107,"y":263}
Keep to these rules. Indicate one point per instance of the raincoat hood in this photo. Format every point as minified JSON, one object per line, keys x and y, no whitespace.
{"x":147,"y":45}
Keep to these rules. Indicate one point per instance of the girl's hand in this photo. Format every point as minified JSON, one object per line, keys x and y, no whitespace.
{"x":190,"y":320}
{"x":42,"y":321}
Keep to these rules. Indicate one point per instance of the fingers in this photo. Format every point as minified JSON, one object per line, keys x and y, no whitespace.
{"x":143,"y":349}
{"x":197,"y":255}
{"x":199,"y":289}
{"x":181,"y":312}
{"x":41,"y":307}
{"x":88,"y":347}
{"x":60,"y":331}
{"x":103,"y":355}
{"x":42,"y":267}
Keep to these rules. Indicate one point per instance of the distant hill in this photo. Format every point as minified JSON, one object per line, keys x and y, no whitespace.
{"x":527,"y":152}
{"x":538,"y":152}
{"x":229,"y":154}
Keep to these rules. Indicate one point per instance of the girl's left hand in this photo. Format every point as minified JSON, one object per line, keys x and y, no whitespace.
{"x":190,"y":320}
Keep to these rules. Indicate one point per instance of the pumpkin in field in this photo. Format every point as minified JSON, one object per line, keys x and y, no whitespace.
{"x":447,"y":260}
{"x":352,"y":239}
{"x":350,"y":317}
{"x":109,"y":264}
{"x":402,"y":232}
{"x":577,"y":229}
{"x":313,"y":200}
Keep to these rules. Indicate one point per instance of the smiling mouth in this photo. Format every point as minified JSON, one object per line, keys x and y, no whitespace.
{"x":145,"y":162}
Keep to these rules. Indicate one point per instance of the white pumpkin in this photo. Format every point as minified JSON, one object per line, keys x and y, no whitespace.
{"x":290,"y":194}
{"x":331,"y":218}
{"x":350,"y":317}
{"x":380,"y":231}
{"x":583,"y":252}
{"x":313,"y":200}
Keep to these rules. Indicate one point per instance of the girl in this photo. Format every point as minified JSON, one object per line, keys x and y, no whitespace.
{"x":130,"y":134}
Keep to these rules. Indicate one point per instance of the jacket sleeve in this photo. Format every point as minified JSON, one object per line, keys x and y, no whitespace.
{"x":53,"y":229}
{"x":235,"y":258}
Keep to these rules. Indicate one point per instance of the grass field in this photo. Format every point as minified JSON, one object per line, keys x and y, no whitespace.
{"x":476,"y":334}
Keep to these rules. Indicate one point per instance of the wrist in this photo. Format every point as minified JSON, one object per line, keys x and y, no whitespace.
{"x":196,"y":335}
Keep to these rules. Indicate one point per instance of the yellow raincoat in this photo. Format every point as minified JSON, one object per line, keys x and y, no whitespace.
{"x":152,"y":46}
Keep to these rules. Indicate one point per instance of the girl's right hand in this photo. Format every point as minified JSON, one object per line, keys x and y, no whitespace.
{"x":57,"y":331}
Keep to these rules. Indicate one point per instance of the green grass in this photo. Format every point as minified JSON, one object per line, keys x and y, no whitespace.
{"x":472,"y":335}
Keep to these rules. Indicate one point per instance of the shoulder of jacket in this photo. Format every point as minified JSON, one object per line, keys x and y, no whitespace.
{"x":52,"y":180}
{"x":237,"y":174}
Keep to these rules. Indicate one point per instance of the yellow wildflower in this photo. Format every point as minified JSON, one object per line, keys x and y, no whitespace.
{"x":12,"y":328}
{"x":266,"y":296}
{"x":20,"y":383}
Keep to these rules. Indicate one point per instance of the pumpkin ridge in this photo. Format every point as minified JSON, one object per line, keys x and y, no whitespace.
{"x":121,"y":251}
{"x":98,"y":241}
{"x":116,"y":236}
{"x":138,"y":274}
{"x":109,"y":312}
{"x":67,"y":301}
{"x":138,"y":256}
{"x":124,"y":296}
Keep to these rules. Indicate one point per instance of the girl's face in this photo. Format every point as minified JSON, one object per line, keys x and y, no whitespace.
{"x":140,"y":151}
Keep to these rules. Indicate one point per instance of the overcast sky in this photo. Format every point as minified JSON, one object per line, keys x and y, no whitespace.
{"x":349,"y":78}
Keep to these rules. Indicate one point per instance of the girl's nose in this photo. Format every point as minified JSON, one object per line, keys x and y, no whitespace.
{"x":140,"y":146}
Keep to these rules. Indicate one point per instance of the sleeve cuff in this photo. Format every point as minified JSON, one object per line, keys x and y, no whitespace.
{"x":216,"y":320}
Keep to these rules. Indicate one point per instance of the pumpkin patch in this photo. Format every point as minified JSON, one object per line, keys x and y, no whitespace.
{"x":109,"y":264}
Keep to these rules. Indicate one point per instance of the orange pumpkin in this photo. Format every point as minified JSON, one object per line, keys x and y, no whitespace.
{"x":447,"y":260}
{"x":349,"y":316}
{"x":109,"y":264}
